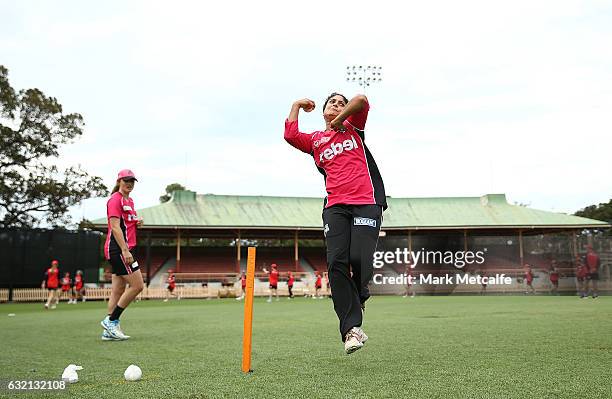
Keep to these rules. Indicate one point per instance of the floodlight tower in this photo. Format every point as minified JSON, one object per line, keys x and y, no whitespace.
{"x":364,"y":75}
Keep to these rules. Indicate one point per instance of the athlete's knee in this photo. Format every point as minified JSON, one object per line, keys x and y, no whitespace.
{"x":138,"y":286}
{"x":118,"y":289}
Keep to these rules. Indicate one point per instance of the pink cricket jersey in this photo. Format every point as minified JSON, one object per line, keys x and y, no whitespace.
{"x":350,"y":172}
{"x":121,"y":208}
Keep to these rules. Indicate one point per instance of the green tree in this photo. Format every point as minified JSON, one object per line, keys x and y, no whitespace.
{"x":601,"y":212}
{"x":85,"y":224}
{"x":170,"y":188}
{"x":33,"y":189}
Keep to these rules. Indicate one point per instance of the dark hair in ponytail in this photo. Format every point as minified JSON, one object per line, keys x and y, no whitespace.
{"x":116,"y":188}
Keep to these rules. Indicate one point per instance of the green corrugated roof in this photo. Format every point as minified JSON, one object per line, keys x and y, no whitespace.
{"x":187,"y":209}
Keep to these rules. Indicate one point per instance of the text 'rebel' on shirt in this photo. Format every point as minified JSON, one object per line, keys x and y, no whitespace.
{"x":123,"y":209}
{"x":350,"y":172}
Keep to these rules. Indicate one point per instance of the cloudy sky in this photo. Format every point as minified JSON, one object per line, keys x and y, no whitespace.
{"x":477,"y":97}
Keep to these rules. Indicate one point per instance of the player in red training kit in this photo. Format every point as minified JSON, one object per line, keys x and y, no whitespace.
{"x":592,"y":263}
{"x":529,"y":279}
{"x":171,"y":286}
{"x":352,"y":210}
{"x":581,"y":275}
{"x":242,"y":286}
{"x":273,"y":276}
{"x":554,"y":277}
{"x":78,"y":292}
{"x":318,"y":285}
{"x":66,"y":285}
{"x":127,"y":280}
{"x":51,"y":282}
{"x":409,"y":290}
{"x":290,"y":281}
{"x":483,"y":286}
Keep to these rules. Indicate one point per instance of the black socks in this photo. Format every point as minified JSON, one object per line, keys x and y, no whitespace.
{"x":116,"y":313}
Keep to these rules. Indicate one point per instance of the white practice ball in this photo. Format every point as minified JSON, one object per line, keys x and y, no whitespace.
{"x":133,"y":373}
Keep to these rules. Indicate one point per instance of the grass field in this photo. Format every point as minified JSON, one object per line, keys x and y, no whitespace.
{"x":426,"y":347}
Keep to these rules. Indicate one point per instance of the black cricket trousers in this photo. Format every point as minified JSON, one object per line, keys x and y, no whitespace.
{"x":351,"y":234}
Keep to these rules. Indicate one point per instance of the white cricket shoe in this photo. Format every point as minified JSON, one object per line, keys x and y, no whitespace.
{"x":107,"y":337}
{"x":113,"y":328}
{"x":352,"y":341}
{"x":362,"y":335}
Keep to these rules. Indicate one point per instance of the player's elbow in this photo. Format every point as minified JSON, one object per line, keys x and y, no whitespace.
{"x":291,"y":138}
{"x":361,"y":99}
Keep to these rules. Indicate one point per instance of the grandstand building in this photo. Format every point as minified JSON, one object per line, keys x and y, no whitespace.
{"x":203,"y":237}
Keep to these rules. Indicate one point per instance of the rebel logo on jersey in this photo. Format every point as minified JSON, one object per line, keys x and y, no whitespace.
{"x":338,"y":148}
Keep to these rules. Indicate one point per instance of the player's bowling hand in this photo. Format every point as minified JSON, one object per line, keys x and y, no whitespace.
{"x":306,"y":104}
{"x":337,"y":125}
{"x":140,"y":222}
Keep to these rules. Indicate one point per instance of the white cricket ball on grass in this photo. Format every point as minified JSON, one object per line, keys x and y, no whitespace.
{"x":132,"y":373}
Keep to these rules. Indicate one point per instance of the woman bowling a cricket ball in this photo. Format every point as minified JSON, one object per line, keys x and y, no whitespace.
{"x":353,"y":208}
{"x":127,"y":280}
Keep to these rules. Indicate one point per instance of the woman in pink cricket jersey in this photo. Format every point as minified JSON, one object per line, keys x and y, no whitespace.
{"x":353,"y":208}
{"x":118,"y":248}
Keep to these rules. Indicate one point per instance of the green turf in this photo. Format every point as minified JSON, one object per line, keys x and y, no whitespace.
{"x":426,"y":347}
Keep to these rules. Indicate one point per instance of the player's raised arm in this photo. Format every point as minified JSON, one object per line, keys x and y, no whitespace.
{"x":305,"y":104}
{"x":355,"y":112}
{"x":293,"y":136}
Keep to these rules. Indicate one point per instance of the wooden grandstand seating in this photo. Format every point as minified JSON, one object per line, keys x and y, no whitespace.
{"x":282,"y":257}
{"x":316,"y":257}
{"x":159,"y":256}
{"x":208,"y":260}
